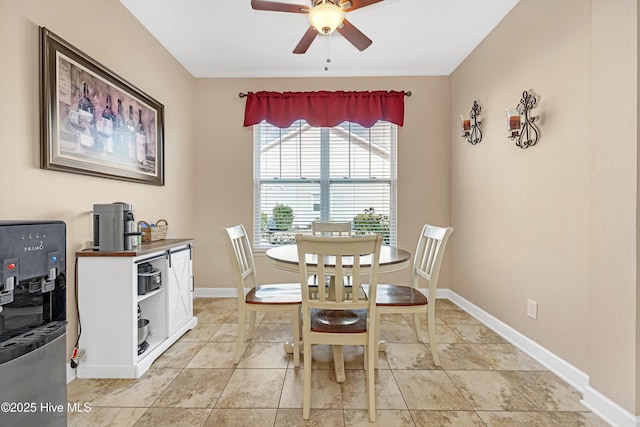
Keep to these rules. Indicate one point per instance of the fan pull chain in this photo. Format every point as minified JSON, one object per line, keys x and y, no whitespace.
{"x":326,"y":67}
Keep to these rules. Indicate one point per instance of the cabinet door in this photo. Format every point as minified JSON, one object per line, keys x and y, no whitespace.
{"x":180,"y":292}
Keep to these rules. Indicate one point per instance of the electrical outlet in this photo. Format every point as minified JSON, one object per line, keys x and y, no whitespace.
{"x":532,"y":309}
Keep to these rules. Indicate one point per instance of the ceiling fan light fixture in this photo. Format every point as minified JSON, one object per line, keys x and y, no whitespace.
{"x":326,"y":17}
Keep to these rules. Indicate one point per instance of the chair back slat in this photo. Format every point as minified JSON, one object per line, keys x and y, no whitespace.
{"x":428,"y":256}
{"x":242,"y":263}
{"x":339,"y":229}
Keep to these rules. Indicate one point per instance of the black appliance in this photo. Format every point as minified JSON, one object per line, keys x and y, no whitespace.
{"x":33,"y":323}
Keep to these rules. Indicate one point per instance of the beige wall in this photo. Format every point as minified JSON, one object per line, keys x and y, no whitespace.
{"x":555,"y":223}
{"x":223,"y":164}
{"x":104,"y":30}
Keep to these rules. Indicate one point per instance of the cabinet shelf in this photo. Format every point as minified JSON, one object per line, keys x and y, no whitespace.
{"x":150,"y":294}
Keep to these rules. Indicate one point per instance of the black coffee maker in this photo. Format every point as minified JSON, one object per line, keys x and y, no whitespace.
{"x":114,"y":227}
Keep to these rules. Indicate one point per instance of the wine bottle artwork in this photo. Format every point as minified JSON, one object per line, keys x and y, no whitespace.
{"x":93,"y":122}
{"x":131,"y":136}
{"x":105,"y":127}
{"x":119,"y":133}
{"x":83,"y":119}
{"x":141,"y":148}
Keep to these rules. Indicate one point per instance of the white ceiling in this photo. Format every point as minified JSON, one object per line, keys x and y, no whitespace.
{"x":227,"y":38}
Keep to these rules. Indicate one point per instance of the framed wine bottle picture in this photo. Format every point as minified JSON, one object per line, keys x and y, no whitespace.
{"x":93,"y":122}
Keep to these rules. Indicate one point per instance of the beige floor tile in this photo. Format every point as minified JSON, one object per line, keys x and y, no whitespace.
{"x":392,"y":332}
{"x":408,"y":317}
{"x":445,"y":304}
{"x":354,"y":391}
{"x":461,"y":356}
{"x":227,"y":332}
{"x":545,"y":390}
{"x":576,"y":419}
{"x":273,"y":332}
{"x":253,"y":388}
{"x":325,"y":391}
{"x":489,"y":391}
{"x":195,"y":388}
{"x":138,"y":393}
{"x":409,"y":356}
{"x":477,"y":334}
{"x":264,"y":355}
{"x":178,"y":355}
{"x":88,"y":390}
{"x":225,"y":303}
{"x":241,"y":417}
{"x":214,"y":355}
{"x":384,"y":418}
{"x":506,"y":357}
{"x":195,"y":382}
{"x":202,"y":332}
{"x":173,"y":417}
{"x":514,"y":418}
{"x":105,"y":417}
{"x":276,"y":317}
{"x":393,"y":318}
{"x":318,"y":418}
{"x":430,"y":390}
{"x":216,"y":315}
{"x":456,"y":317}
{"x":447,"y":418}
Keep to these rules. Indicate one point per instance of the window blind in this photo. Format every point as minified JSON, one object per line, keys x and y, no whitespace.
{"x":304,"y":173}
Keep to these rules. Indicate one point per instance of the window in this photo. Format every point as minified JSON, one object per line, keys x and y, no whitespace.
{"x":304,"y":173}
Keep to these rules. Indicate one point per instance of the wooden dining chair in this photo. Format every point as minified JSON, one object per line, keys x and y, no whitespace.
{"x":284,"y":297}
{"x":404,"y":299}
{"x":332,"y":228}
{"x":344,"y":320}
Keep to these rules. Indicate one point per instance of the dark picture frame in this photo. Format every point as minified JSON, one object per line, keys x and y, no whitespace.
{"x":93,"y":122}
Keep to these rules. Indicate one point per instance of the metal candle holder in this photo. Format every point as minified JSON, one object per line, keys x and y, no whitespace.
{"x":471,"y":128}
{"x":522,"y":129}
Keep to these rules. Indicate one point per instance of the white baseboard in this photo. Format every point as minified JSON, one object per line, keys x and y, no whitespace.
{"x":71,"y":373}
{"x":595,"y":401}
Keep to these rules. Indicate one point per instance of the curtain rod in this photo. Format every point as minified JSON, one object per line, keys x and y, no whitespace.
{"x":242,"y":95}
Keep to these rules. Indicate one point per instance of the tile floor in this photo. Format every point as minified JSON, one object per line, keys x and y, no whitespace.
{"x":483,"y":381}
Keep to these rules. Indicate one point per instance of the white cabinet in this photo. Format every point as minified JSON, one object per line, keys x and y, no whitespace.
{"x":108,"y":303}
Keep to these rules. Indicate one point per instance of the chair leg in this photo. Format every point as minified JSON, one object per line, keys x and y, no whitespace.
{"x":418,"y":326}
{"x":295,"y":322}
{"x":252,"y":323}
{"x":242,"y":318}
{"x":431,"y":325}
{"x":371,"y":379}
{"x":306,"y":399}
{"x":338,"y":362}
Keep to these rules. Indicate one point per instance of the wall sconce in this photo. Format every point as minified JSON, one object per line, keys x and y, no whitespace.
{"x":471,"y":127}
{"x":520,"y":123}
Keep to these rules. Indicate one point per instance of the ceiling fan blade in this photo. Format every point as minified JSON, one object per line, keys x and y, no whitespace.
{"x":350,"y":5}
{"x":354,"y":35}
{"x":278,"y":6}
{"x":306,"y":40}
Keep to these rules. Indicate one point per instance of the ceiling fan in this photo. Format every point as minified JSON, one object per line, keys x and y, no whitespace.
{"x":325,"y":17}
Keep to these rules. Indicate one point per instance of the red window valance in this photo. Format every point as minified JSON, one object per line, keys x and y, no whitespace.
{"x":324,"y":108}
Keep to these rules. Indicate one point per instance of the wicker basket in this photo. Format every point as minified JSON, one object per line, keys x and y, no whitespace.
{"x":156,"y":232}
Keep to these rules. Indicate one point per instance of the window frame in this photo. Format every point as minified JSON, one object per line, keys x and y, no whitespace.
{"x":325,"y":181}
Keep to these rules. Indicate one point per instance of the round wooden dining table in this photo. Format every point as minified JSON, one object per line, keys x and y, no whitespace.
{"x":286,"y":258}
